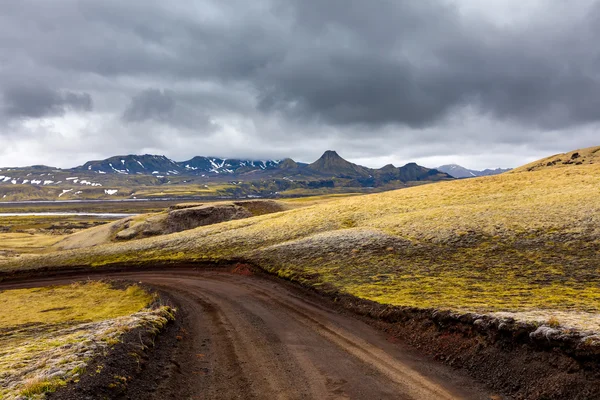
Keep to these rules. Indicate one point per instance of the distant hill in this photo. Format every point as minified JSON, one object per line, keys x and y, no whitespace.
{"x":458,"y":171}
{"x":590,"y":155}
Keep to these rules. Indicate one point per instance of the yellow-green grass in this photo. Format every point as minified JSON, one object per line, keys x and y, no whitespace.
{"x":181,"y":190}
{"x":48,"y":334}
{"x":514,"y":242}
{"x":37,"y":234}
{"x":590,"y":155}
{"x":27,"y":242}
{"x":45,"y":223}
{"x":93,"y":301}
{"x":313,"y":200}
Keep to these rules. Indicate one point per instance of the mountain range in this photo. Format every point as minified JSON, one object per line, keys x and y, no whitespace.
{"x":133,"y":175}
{"x":459,"y":172}
{"x":329,"y":165}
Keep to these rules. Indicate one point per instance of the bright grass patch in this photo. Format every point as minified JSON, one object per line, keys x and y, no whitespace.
{"x":48,"y":335}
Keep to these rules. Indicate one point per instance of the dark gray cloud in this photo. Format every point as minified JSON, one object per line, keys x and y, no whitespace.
{"x":150,"y":104}
{"x":283,"y":78}
{"x":34,"y":101}
{"x":413,"y":63}
{"x":172,"y":109}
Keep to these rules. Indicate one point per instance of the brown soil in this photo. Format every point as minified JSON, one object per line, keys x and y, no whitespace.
{"x":246,"y":337}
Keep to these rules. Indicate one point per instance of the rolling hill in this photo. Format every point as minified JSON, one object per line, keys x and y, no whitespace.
{"x":587,"y":156}
{"x":524,"y":243}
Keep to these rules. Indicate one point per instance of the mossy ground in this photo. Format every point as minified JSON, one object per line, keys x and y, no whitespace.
{"x":48,"y":334}
{"x":22,"y":243}
{"x":90,"y":302}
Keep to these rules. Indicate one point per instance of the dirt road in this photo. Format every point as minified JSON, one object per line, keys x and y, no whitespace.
{"x":246,"y":337}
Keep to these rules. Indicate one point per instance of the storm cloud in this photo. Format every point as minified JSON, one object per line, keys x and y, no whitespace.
{"x":433,"y":81}
{"x":149,"y":104}
{"x":34,"y":101}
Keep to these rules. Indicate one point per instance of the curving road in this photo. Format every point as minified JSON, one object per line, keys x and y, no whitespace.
{"x":246,"y":337}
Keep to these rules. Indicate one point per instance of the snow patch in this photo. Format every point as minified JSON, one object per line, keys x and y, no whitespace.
{"x":110,"y":192}
{"x":65,"y":191}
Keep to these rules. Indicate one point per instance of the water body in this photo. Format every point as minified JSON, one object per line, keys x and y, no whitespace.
{"x":68,"y":214}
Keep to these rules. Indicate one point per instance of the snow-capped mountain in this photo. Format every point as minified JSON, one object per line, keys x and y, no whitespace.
{"x":162,"y":166}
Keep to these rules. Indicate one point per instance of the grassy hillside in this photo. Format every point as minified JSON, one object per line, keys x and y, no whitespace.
{"x":523,"y":241}
{"x":588,"y":156}
{"x":179,"y":217}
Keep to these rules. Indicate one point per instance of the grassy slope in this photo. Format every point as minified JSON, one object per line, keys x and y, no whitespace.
{"x":518,"y":241}
{"x":47,"y":335}
{"x":36,"y":234}
{"x":587,"y":156}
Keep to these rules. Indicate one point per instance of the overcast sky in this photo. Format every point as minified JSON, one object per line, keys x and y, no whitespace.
{"x":494,"y":83}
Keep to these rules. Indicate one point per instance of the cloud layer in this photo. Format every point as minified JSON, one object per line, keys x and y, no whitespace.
{"x":433,"y":81}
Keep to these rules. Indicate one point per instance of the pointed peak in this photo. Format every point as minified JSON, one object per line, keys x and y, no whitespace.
{"x":389,"y":166}
{"x":330,"y":157}
{"x":330,"y":154}
{"x":331,"y":163}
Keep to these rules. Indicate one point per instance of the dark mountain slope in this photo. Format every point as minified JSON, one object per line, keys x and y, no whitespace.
{"x":331,"y":163}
